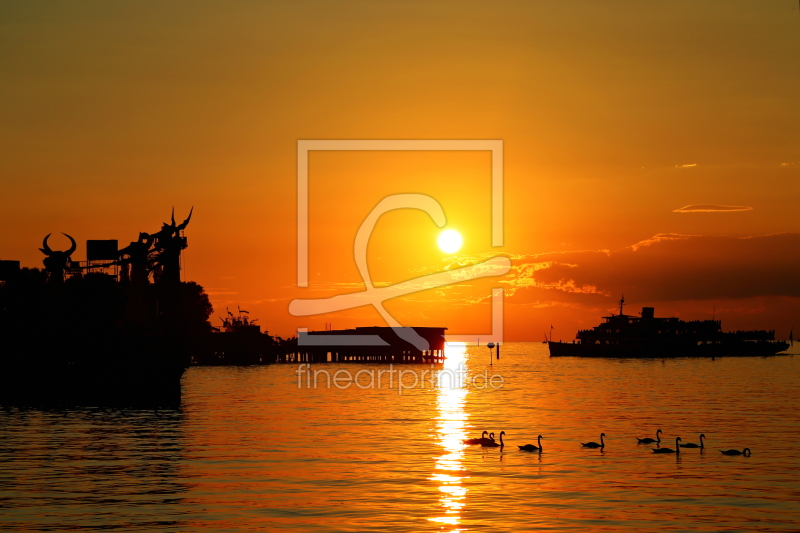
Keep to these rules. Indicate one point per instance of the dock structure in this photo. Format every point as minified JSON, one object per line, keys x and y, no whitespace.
{"x":368,"y":345}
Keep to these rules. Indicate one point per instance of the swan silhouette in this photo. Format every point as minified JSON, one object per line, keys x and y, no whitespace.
{"x":746,"y":452}
{"x":594,"y":444}
{"x":493,"y":444}
{"x":531,"y":447}
{"x":693,"y":445}
{"x":648,"y":440}
{"x":670,"y":450}
{"x":477,"y":441}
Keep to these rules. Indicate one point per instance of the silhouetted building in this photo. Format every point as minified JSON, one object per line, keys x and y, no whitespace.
{"x":370,"y":344}
{"x":83,"y":333}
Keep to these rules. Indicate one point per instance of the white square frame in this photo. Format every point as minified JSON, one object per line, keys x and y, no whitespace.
{"x":495,"y":146}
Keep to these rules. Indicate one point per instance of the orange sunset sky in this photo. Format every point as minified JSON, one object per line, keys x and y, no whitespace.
{"x":613,"y":116}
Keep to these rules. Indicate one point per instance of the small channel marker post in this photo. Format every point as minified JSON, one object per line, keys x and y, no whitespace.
{"x":490,"y":346}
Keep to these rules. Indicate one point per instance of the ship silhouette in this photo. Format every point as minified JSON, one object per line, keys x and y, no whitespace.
{"x":622,"y":335}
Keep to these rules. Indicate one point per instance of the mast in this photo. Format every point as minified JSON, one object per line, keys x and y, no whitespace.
{"x":621,"y":303}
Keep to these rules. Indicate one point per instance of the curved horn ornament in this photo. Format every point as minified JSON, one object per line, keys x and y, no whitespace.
{"x":186,"y":222}
{"x":45,"y":248}
{"x":71,"y":248}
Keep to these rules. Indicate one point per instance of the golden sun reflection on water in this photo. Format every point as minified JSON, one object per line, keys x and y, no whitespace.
{"x":451,"y":432}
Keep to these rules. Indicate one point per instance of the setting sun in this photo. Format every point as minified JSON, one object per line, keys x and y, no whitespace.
{"x":450,"y":241}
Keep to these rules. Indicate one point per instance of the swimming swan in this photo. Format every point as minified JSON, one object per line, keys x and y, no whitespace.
{"x":746,"y":452}
{"x":477,"y":441}
{"x":648,"y":440}
{"x":531,"y":447}
{"x":494,"y":444}
{"x":670,"y":450}
{"x":693,"y":445}
{"x":594,"y":444}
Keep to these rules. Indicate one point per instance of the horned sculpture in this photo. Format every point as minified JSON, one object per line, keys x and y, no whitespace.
{"x":182,"y":226}
{"x":167,"y":246}
{"x":56,"y":262}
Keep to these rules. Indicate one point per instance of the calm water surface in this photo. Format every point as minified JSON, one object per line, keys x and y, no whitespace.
{"x":250,"y":451}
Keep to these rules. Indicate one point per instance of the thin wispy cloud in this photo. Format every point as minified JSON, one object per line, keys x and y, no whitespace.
{"x":711,"y":208}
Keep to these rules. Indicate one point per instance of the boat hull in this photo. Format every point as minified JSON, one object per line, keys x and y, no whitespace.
{"x":644,"y":350}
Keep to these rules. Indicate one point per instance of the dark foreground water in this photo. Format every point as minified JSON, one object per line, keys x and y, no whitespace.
{"x":250,"y":451}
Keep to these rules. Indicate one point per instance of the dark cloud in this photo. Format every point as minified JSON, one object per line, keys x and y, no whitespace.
{"x":667,"y":267}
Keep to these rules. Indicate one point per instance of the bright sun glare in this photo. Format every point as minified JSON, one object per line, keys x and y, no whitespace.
{"x":450,"y":241}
